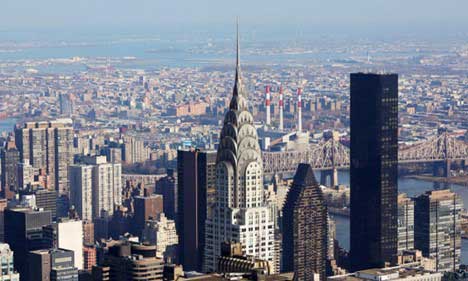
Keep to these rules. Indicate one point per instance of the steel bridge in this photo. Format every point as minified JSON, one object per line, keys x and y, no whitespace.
{"x":330,"y":154}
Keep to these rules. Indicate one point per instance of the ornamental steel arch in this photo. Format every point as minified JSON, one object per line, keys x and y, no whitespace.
{"x":331,"y":154}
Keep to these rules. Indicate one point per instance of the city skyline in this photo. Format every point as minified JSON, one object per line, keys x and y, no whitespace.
{"x":152,"y":153}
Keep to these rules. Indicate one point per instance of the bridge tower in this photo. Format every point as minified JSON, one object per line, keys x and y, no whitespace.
{"x":332,"y":174}
{"x":442,"y":168}
{"x":329,"y":177}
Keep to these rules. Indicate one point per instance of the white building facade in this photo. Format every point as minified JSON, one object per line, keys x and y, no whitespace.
{"x":8,"y":272}
{"x":70,"y":237}
{"x":107,"y":190}
{"x":96,"y":186}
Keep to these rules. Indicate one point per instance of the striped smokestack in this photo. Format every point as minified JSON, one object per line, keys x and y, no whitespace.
{"x":299,"y":109}
{"x":281,"y":106}
{"x":267,"y":105}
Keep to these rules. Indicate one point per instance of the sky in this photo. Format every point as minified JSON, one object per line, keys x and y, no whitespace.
{"x":439,"y":16}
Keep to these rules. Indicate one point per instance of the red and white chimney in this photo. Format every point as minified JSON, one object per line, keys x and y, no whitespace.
{"x":267,"y":105}
{"x":281,"y":106}
{"x":299,"y":109}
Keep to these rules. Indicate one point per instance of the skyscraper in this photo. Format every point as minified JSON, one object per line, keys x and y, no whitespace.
{"x":96,"y":186}
{"x":48,"y":145}
{"x":241,"y":213}
{"x":45,"y":199}
{"x":66,"y":234}
{"x":61,"y":266}
{"x":23,"y":232}
{"x":52,"y":264}
{"x":3,"y":206}
{"x":437,"y":231}
{"x":134,"y":150}
{"x":107,"y":186}
{"x":81,"y":190}
{"x":166,"y":187}
{"x":9,"y":157}
{"x":39,"y":265}
{"x":405,"y":223}
{"x":146,"y":208}
{"x":196,"y":175}
{"x":374,"y":171}
{"x":305,"y":227}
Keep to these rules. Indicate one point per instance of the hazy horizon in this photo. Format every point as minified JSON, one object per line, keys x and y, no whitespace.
{"x":300,"y":17}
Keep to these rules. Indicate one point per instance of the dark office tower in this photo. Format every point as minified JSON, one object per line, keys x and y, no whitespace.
{"x":166,"y":187}
{"x":39,"y":265}
{"x":305,"y":227}
{"x":146,"y":207}
{"x":101,"y":228}
{"x":23,"y":232}
{"x":3,"y":206}
{"x":10,"y":158}
{"x":62,"y":266}
{"x":101,"y":273}
{"x":63,"y":206}
{"x":52,"y":264}
{"x":374,"y":171}
{"x":196,"y":175}
{"x":45,"y":199}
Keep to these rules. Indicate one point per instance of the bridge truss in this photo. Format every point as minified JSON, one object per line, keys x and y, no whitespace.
{"x":332,"y":154}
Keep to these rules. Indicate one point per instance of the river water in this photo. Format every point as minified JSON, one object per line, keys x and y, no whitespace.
{"x":7,"y":125}
{"x":412,"y":187}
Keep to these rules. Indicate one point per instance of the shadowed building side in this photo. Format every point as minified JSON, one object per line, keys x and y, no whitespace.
{"x":374,"y":170}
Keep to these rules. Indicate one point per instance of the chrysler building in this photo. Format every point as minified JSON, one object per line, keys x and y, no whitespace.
{"x":240,"y":213}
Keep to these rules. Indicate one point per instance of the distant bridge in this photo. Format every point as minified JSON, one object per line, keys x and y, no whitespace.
{"x":330,"y":154}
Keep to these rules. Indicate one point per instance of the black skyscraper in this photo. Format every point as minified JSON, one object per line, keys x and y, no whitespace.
{"x":374,"y":169}
{"x":9,"y":159}
{"x":196,"y":177}
{"x":23,"y":232}
{"x":166,"y":187}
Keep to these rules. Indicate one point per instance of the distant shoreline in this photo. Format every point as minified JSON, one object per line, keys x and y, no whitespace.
{"x":460,"y":180}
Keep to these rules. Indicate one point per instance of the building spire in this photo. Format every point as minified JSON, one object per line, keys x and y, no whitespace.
{"x":238,"y":96}
{"x":238,"y":49}
{"x":237,"y":85}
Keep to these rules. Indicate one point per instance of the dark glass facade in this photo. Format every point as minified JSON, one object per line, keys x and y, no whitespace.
{"x":166,"y":187}
{"x":9,"y":159}
{"x":374,"y":170}
{"x":196,"y":178}
{"x":23,"y":232}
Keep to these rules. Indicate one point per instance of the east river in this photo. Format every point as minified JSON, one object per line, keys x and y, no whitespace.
{"x":412,"y":187}
{"x":7,"y":125}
